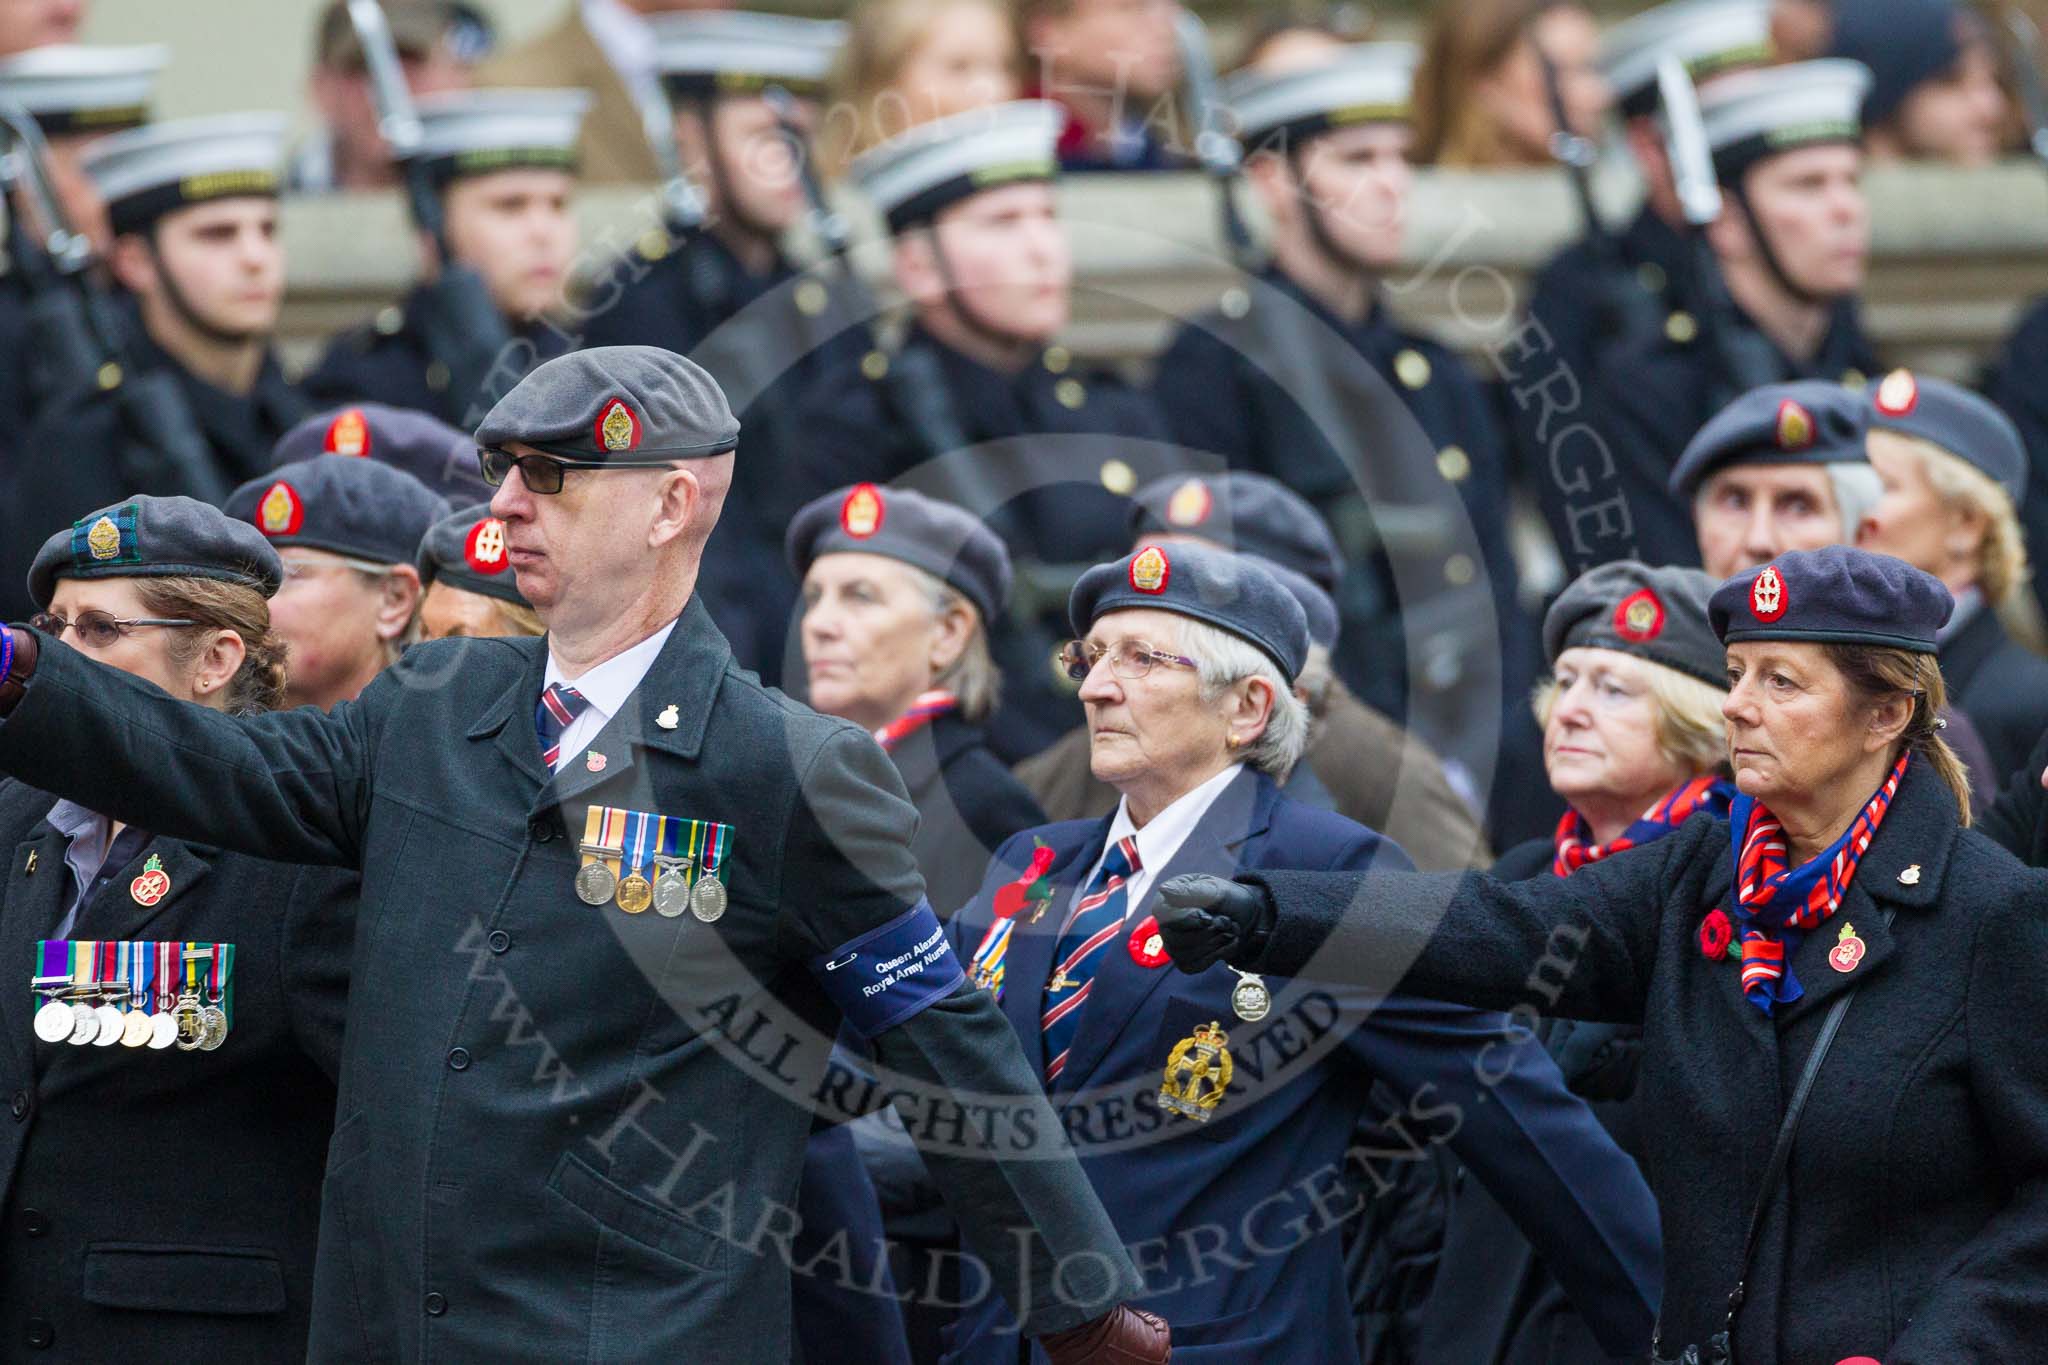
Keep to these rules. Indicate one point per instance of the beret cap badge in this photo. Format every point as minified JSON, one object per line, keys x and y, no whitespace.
{"x":1767,"y":595}
{"x":348,"y":433}
{"x":281,"y":512}
{"x":618,"y":427}
{"x":103,"y":540}
{"x":1899,"y":394}
{"x":1639,"y":617}
{"x":1796,"y":429}
{"x":484,"y":548}
{"x":1150,"y":570}
{"x":861,"y":514}
{"x":1190,"y":504}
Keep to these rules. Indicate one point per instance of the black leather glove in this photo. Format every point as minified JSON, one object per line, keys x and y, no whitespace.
{"x":1205,"y":920}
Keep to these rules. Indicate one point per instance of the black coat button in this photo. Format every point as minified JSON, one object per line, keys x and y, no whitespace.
{"x":40,"y":1333}
{"x":20,"y":1104}
{"x":541,"y":829}
{"x":436,"y":1305}
{"x":458,"y":1059}
{"x":34,"y":1222}
{"x":499,"y":940}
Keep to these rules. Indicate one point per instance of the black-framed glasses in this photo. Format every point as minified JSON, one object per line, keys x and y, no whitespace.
{"x":1128,"y":659}
{"x":542,"y":474}
{"x":98,"y":629}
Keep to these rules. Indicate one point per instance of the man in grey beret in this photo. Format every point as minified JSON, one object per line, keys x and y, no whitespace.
{"x":570,"y":1127}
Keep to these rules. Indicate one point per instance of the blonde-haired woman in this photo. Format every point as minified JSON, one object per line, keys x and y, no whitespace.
{"x":908,"y":62}
{"x":1953,"y":468}
{"x":1635,"y":743}
{"x":1481,"y":98}
{"x":180,"y":1008}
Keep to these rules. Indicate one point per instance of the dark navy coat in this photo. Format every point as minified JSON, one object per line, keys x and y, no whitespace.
{"x":1237,"y":1222}
{"x":566,"y":1132}
{"x":2001,"y":685}
{"x":164,"y":1205}
{"x":1912,"y":1223}
{"x":2018,"y":382}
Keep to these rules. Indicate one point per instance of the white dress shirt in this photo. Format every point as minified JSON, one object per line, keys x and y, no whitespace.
{"x":1161,"y":838}
{"x":606,"y":687}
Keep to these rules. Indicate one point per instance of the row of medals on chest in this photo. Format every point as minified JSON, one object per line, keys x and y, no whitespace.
{"x":87,"y":1016}
{"x":669,"y":893}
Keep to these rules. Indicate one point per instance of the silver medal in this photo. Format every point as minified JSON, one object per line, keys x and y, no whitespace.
{"x":213,"y":1028}
{"x":1251,"y":1000}
{"x":54,"y":1022}
{"x":85,"y":1025}
{"x":707,"y":898}
{"x":596,"y":883}
{"x":111,"y":1022}
{"x":671,"y":886}
{"x":163,"y":1031}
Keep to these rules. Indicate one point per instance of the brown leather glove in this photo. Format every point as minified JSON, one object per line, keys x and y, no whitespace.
{"x":1122,"y":1336}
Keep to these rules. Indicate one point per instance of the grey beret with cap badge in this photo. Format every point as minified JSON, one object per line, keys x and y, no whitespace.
{"x":1658,"y":614}
{"x":152,"y":537}
{"x":466,"y":549}
{"x":1234,"y":593}
{"x":615,"y":405}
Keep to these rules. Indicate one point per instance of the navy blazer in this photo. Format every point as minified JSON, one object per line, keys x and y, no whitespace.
{"x":1236,"y":1223}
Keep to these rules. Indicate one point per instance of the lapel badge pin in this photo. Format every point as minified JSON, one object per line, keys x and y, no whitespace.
{"x":31,"y":868}
{"x":594,"y":761}
{"x":1848,"y":950}
{"x":153,"y":884}
{"x":1911,"y":876}
{"x":668,"y":720}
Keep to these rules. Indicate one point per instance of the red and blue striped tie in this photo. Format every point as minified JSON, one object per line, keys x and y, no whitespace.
{"x":1095,"y":919}
{"x":558,"y":709}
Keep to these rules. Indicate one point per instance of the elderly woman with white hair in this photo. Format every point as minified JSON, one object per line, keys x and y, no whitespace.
{"x":1225,"y":1104}
{"x":1953,"y":469}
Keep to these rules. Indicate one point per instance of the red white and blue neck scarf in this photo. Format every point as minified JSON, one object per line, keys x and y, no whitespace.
{"x":928,"y":707}
{"x":1777,"y":906}
{"x":1575,"y":849}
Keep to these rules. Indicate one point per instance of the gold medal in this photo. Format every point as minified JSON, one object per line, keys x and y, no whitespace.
{"x":1197,"y":1074}
{"x":1251,"y":1000}
{"x":707,"y":898}
{"x":135,"y":1028}
{"x":635,"y":894}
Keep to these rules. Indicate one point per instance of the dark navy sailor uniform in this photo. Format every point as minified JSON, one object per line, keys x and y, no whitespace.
{"x":1235,"y":1214}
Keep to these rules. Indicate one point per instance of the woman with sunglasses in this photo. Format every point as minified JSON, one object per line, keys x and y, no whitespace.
{"x":173,"y":1013}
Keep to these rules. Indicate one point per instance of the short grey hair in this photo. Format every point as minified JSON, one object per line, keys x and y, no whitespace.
{"x":1858,"y":489}
{"x":1222,"y":661}
{"x":973,"y":678}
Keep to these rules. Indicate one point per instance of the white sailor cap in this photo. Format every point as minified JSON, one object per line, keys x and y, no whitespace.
{"x":69,"y":88}
{"x":734,"y":52}
{"x":476,"y":132}
{"x":1360,"y":83}
{"x":1708,"y":37}
{"x":1751,"y":115}
{"x":916,"y":173}
{"x":146,"y":172}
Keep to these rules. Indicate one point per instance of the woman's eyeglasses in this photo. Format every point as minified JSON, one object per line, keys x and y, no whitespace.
{"x":98,"y":629}
{"x":1128,"y":659}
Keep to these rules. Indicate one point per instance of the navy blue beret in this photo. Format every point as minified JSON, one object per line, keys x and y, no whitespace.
{"x":1249,"y":513}
{"x":947,"y":542}
{"x":149,"y":537}
{"x":348,"y":507}
{"x":1903,"y":42}
{"x":1966,"y":425}
{"x":1811,"y":421}
{"x":424,"y":446}
{"x":622,"y":405}
{"x":1656,"y":614}
{"x":1231,"y":592}
{"x":466,"y":549}
{"x":1838,"y":595}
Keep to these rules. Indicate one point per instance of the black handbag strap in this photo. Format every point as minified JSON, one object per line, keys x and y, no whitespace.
{"x":1781,"y":1155}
